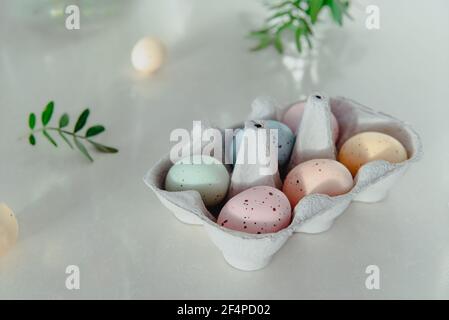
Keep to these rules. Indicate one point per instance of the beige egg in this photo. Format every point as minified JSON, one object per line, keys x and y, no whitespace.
{"x":9,"y":229}
{"x":369,"y":146}
{"x":148,"y":55}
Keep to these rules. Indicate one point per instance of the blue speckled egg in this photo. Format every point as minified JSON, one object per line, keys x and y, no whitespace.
{"x":202,"y":173}
{"x":286,"y":139}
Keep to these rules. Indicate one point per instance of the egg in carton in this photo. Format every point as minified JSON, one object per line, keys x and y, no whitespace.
{"x":315,"y":213}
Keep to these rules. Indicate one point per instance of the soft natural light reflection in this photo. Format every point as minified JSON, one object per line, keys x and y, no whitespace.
{"x":304,"y":65}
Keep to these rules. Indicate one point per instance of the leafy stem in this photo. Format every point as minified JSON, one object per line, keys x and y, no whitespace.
{"x":297,"y":17}
{"x":65,"y":134}
{"x":59,"y":130}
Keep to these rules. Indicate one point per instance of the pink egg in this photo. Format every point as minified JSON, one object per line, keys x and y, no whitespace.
{"x":293,"y":116}
{"x":259,"y":209}
{"x":317,"y":176}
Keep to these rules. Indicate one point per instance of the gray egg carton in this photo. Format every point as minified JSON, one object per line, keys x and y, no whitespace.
{"x":315,"y":213}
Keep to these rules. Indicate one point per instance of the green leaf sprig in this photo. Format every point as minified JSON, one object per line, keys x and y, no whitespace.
{"x":296,"y":16}
{"x":67,"y":135}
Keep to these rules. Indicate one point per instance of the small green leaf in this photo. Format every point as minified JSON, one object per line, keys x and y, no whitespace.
{"x":337,"y":10}
{"x":278,"y":44}
{"x":278,"y":14}
{"x":263,"y":43}
{"x":82,"y":148}
{"x":309,"y":42}
{"x":81,"y":120}
{"x":306,"y":26}
{"x":280,"y":5}
{"x":32,"y":121}
{"x":102,"y":148}
{"x":345,"y":7}
{"x":93,"y":131}
{"x":259,"y":33}
{"x":315,"y":7}
{"x":47,"y":113}
{"x":298,"y":39}
{"x":65,"y":139}
{"x":32,"y":140}
{"x":52,"y":141}
{"x":284,"y":26}
{"x":64,"y":120}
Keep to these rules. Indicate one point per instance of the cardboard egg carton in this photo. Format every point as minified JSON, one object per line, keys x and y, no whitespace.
{"x":315,"y":213}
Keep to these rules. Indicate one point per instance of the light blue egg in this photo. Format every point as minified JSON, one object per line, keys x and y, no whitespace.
{"x":286,"y":139}
{"x":202,"y":173}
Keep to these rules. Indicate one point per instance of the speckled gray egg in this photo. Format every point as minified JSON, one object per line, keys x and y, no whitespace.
{"x":286,"y":139}
{"x":202,"y":173}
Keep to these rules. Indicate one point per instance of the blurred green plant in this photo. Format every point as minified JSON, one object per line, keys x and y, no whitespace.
{"x":296,"y":17}
{"x":64,"y":133}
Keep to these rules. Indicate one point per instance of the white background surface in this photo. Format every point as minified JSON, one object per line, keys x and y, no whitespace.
{"x":102,"y":218}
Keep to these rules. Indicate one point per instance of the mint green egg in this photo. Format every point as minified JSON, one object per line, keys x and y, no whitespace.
{"x":202,"y":173}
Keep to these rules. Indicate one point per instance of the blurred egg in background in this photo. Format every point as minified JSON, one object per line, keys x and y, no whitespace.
{"x":148,"y":55}
{"x":9,"y":229}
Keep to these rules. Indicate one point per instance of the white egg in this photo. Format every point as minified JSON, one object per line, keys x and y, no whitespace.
{"x":9,"y":229}
{"x":148,"y":55}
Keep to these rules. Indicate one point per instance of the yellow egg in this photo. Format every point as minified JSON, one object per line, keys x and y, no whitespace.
{"x":148,"y":55}
{"x":9,"y":229}
{"x":369,"y":146}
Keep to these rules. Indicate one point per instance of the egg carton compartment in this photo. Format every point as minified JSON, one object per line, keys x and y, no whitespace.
{"x":315,"y":213}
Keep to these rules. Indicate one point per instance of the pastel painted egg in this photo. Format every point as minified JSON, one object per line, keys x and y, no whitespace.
{"x":369,"y":146}
{"x":292,"y":118}
{"x":257,"y":210}
{"x":286,"y":139}
{"x":148,"y":55}
{"x":9,"y":229}
{"x":204,"y":174}
{"x":323,"y":176}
